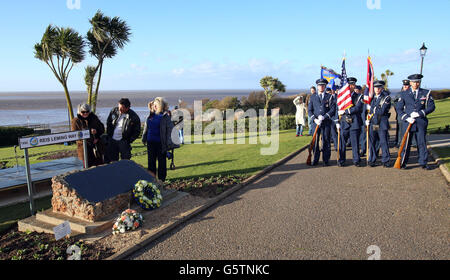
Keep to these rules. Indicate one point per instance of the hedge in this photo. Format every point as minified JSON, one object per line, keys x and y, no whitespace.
{"x":440,"y":94}
{"x":286,"y":122}
{"x":9,"y":135}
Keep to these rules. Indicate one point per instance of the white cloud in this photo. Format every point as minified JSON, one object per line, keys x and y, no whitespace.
{"x":139,"y":68}
{"x":178,"y":71}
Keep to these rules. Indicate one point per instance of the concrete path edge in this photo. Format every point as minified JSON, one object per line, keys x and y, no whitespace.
{"x":440,"y":162}
{"x":147,"y":239}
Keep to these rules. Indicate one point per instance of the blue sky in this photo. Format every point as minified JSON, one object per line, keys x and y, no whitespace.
{"x":206,"y":44}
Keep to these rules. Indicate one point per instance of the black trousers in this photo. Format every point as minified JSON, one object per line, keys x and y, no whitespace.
{"x":155,"y":152}
{"x":114,"y":148}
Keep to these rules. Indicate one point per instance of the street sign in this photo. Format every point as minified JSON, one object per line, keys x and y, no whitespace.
{"x":46,"y":140}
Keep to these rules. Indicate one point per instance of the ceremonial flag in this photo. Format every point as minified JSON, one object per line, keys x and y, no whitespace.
{"x":368,"y":93}
{"x":344,"y":100}
{"x":330,"y":76}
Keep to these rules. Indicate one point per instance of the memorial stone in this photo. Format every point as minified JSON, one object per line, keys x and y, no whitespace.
{"x":97,"y":192}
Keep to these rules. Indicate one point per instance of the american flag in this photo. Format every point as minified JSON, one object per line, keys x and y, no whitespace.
{"x":368,"y":93}
{"x":344,"y":100}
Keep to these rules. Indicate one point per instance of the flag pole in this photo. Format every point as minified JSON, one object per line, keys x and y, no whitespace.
{"x":339,"y":122}
{"x":368,"y":117}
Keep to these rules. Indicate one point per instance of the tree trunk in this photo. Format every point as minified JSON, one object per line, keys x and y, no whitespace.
{"x":266,"y":107}
{"x":95,"y":96}
{"x":89,"y":92}
{"x":69,"y":102}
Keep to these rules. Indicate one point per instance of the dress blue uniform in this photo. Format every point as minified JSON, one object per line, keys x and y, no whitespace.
{"x":363,"y":134}
{"x":422,"y":103}
{"x":334,"y":134}
{"x":322,"y":104}
{"x":379,"y":127}
{"x":351,"y":123}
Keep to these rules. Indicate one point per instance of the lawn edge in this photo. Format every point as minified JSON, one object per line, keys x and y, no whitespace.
{"x":146,"y":239}
{"x":441,"y":164}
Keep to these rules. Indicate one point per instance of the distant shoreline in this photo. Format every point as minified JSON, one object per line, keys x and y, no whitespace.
{"x":57,"y":100}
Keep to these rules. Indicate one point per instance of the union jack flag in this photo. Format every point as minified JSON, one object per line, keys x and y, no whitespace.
{"x":368,"y":93}
{"x":344,"y":100}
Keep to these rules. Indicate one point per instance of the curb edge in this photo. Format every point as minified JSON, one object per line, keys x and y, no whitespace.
{"x":122,"y":254}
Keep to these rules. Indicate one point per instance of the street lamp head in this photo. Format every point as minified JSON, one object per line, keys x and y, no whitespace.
{"x":423,"y":50}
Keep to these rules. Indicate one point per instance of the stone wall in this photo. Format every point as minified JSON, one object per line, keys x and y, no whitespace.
{"x":67,"y":201}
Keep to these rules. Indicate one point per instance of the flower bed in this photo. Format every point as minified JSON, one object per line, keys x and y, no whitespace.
{"x":205,"y":187}
{"x":15,"y":245}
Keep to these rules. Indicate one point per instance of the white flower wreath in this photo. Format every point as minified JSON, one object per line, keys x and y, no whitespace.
{"x":147,"y":195}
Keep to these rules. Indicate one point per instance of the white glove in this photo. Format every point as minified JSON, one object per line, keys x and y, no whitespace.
{"x":338,"y":126}
{"x":317,"y":121}
{"x":367,"y":122}
{"x":321,"y":118}
{"x":368,"y":107}
{"x":340,"y":113}
{"x":415,"y":115}
{"x":411,"y":120}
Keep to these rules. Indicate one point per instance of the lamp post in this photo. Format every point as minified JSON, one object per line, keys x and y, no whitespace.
{"x":423,"y":53}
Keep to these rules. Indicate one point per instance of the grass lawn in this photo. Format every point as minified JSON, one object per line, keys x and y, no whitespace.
{"x":440,"y":117}
{"x":7,"y":153}
{"x":204,"y":160}
{"x":444,"y":154}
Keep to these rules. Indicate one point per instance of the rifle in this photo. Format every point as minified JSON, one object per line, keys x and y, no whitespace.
{"x":308,"y":161}
{"x":398,"y":162}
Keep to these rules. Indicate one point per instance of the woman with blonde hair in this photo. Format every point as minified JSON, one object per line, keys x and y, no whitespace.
{"x":150,"y":106}
{"x":157,"y":136}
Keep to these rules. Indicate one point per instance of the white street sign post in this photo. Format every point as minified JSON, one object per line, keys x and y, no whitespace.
{"x":47,"y":140}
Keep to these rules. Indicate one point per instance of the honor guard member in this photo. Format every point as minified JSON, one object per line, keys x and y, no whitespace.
{"x":379,"y":124}
{"x":413,"y":107}
{"x":334,"y":134}
{"x":398,"y":127}
{"x":362,"y":134}
{"x":321,"y":108}
{"x":350,"y":125}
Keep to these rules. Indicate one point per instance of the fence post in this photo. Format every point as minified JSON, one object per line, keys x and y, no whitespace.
{"x":85,"y":154}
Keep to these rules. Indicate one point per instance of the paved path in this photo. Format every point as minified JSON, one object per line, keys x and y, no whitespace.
{"x":438,"y":140}
{"x":302,"y":212}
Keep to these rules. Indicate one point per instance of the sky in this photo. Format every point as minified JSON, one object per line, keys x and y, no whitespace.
{"x":228,"y":44}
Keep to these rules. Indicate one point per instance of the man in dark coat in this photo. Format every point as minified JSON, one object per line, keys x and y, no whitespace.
{"x":350,"y":125}
{"x":321,"y":109}
{"x":123,"y":127}
{"x":379,"y":124}
{"x":413,"y":107}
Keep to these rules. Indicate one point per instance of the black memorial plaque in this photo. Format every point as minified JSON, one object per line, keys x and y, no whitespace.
{"x":107,"y":181}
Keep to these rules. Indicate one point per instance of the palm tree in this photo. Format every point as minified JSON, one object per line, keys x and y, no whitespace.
{"x":385,"y":76}
{"x":89,"y":81}
{"x":271,"y":86}
{"x":65,"y":46}
{"x":106,"y":36}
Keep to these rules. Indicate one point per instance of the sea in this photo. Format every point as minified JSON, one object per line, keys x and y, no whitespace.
{"x":50,"y":108}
